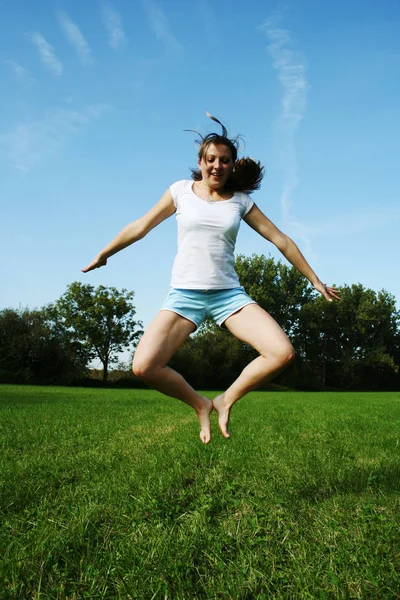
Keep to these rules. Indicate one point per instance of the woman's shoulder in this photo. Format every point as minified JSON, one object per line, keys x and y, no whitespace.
{"x":180,"y":187}
{"x":245,"y":202}
{"x":181,"y":184}
{"x":242,"y":197}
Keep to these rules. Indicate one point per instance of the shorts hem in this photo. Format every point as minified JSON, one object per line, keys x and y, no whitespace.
{"x":181,"y":315}
{"x":220,"y":323}
{"x":208,"y":289}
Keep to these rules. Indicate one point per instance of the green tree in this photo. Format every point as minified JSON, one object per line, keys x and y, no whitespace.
{"x":318,"y":346}
{"x":279,"y":289}
{"x":351,"y":343}
{"x":102,"y":320}
{"x":354,"y":343}
{"x":33,"y":349}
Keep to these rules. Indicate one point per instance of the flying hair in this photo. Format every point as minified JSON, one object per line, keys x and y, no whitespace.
{"x":224,"y":129}
{"x":210,"y":116}
{"x":247,"y":173}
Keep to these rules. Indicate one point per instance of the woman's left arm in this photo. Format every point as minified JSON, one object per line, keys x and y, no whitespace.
{"x":260,"y":223}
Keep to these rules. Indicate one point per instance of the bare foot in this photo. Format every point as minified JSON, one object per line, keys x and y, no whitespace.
{"x":203,"y":414}
{"x":223,"y":415}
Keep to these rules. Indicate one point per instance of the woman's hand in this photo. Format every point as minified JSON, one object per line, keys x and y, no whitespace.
{"x":98,"y":262}
{"x":329,"y":293}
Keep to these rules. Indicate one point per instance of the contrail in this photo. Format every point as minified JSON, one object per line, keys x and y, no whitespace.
{"x":291,"y":74}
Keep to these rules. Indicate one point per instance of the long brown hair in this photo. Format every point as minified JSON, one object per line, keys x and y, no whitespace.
{"x":247,"y":173}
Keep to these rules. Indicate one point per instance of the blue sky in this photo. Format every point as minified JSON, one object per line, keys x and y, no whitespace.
{"x":95,"y":96}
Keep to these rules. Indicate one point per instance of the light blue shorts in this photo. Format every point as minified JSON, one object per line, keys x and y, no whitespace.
{"x":199,"y":305}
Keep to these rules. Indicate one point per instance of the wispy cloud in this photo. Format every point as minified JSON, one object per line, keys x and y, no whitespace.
{"x":357,"y":222}
{"x":206,"y":16}
{"x":159,"y":24}
{"x":47,"y":54}
{"x":343,"y":225}
{"x":292,"y":76}
{"x":291,"y":70}
{"x":19,"y":71}
{"x":75,"y":38}
{"x":113,"y":24}
{"x":29,"y":143}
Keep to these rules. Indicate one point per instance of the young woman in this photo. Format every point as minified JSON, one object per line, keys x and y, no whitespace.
{"x":204,"y":284}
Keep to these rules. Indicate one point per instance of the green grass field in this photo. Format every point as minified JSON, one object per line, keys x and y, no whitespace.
{"x":110,"y":494}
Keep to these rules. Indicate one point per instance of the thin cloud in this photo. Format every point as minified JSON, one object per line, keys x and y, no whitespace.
{"x":30,"y":143}
{"x":206,"y":16}
{"x":353,"y":223}
{"x":291,"y":74}
{"x":159,"y":24}
{"x":113,"y":24}
{"x":341,"y":226}
{"x":75,"y":38}
{"x":19,"y":71}
{"x":47,"y":54}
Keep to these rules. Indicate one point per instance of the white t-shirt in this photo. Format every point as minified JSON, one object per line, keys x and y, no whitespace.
{"x":207,"y":235}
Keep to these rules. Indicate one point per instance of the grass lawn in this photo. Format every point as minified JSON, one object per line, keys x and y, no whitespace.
{"x":110,"y":494}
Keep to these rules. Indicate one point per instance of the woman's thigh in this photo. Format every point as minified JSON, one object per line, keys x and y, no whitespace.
{"x":162,"y":338}
{"x":253,"y":325}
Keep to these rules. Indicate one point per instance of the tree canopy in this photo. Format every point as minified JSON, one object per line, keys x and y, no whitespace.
{"x":35,"y":349}
{"x":102,"y":320}
{"x":351,"y":344}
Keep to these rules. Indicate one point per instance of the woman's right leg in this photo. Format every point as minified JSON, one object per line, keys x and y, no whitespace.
{"x":164,"y":336}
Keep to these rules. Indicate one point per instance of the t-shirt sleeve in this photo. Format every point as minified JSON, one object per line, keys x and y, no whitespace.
{"x":247,"y":204}
{"x":176,"y":189}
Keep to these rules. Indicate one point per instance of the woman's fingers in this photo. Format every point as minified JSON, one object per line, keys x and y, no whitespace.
{"x":329,"y":293}
{"x":332,"y":293}
{"x":95,"y":264}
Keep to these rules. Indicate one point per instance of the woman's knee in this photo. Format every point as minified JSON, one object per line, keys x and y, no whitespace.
{"x":285,"y":355}
{"x":142,"y":369}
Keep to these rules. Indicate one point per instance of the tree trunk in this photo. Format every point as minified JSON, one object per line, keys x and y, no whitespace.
{"x":105,"y":371}
{"x":324,"y":363}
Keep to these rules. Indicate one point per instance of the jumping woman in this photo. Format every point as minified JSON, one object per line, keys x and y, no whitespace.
{"x":204,"y":285}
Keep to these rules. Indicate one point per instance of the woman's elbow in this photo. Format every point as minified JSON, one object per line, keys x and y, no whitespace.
{"x":136,"y":231}
{"x":282,"y":242}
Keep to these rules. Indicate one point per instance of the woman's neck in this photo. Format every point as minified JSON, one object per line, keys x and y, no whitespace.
{"x":212,"y":193}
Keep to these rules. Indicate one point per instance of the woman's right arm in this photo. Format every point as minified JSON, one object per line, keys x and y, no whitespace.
{"x":135,"y":231}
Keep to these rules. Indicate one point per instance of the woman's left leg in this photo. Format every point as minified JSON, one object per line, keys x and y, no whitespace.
{"x":256,"y":327}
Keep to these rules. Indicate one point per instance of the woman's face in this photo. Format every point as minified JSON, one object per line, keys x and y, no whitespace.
{"x":216,"y":166}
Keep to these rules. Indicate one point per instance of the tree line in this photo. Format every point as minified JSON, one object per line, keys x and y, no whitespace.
{"x":351,"y":344}
{"x":57,"y":343}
